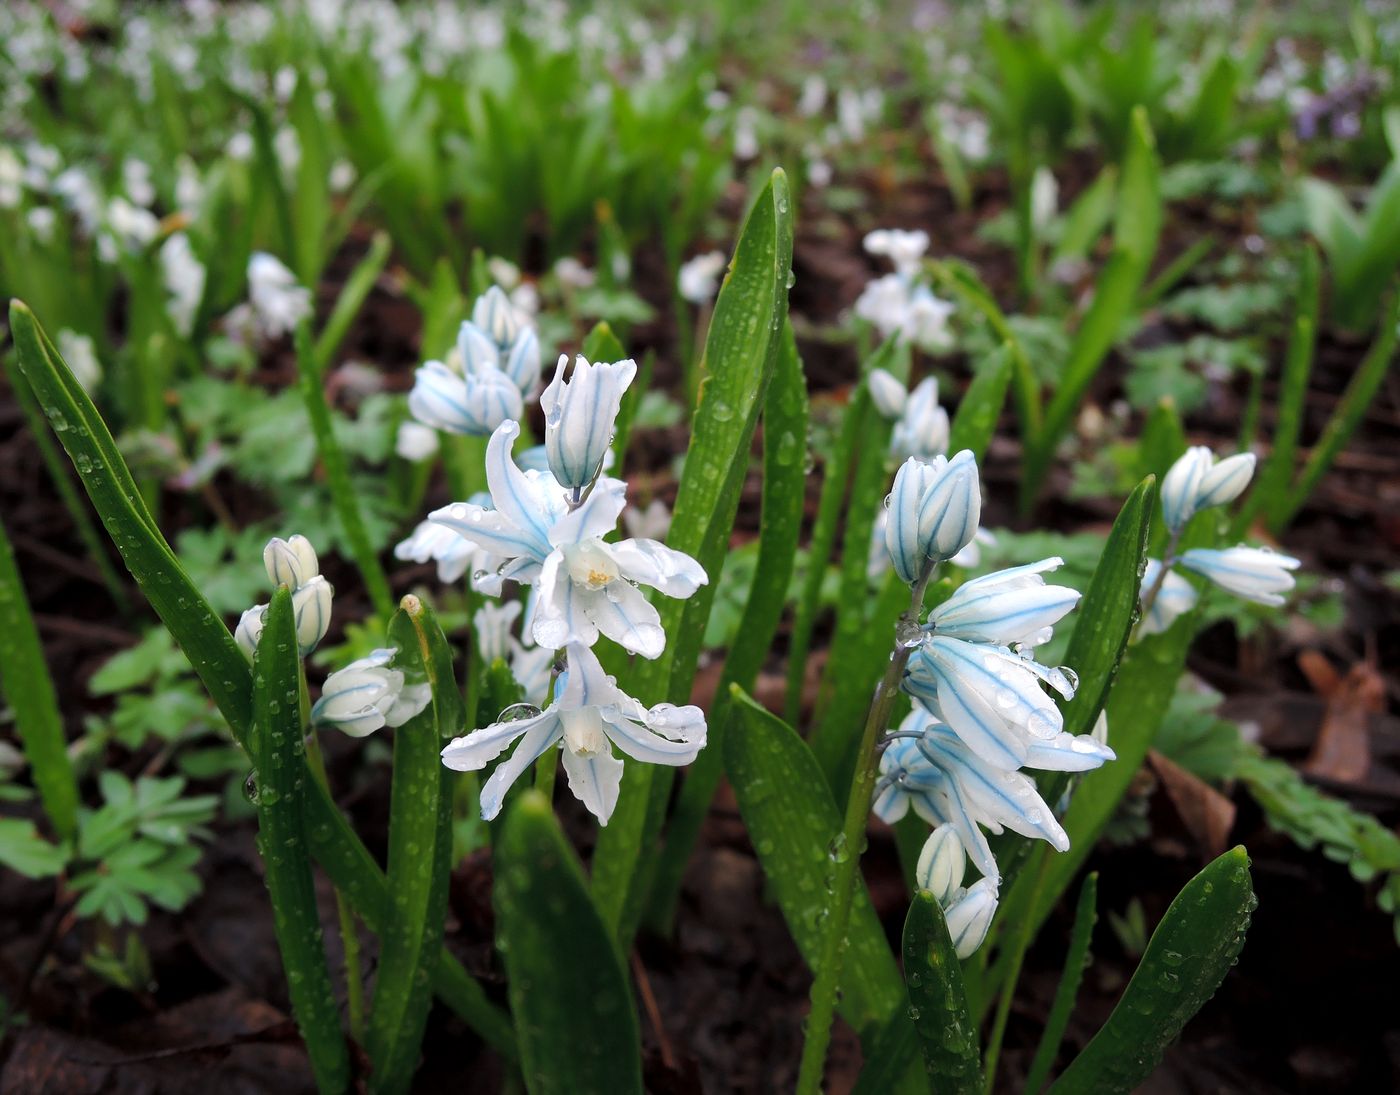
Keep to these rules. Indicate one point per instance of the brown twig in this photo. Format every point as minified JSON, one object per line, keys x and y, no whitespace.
{"x":639,"y":971}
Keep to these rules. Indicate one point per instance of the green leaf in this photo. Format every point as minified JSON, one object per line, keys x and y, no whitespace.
{"x":420,"y":845}
{"x":1077,"y":959}
{"x":28,"y":688}
{"x":351,"y":299}
{"x":938,"y":1001}
{"x":1347,"y":416}
{"x":740,"y":353}
{"x":281,"y":775}
{"x":568,"y":986}
{"x":780,"y":522}
{"x":24,"y":851}
{"x":210,"y":647}
{"x":976,"y":419}
{"x":792,"y":820}
{"x":1135,"y":235}
{"x":1188,"y":956}
{"x":1275,"y":477}
{"x":343,"y":494}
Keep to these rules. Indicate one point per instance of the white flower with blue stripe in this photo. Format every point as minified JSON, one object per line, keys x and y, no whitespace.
{"x":1197,"y":481}
{"x":579,"y":416}
{"x":585,"y":585}
{"x":928,"y":767}
{"x":497,"y":367}
{"x":971,"y":670}
{"x":590,"y":716}
{"x":932,"y":512}
{"x":368,"y":694}
{"x":1256,"y":574}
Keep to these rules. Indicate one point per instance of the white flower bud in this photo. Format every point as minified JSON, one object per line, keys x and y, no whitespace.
{"x":970,"y":915}
{"x":415,"y":442}
{"x":886,"y":393}
{"x":942,"y":864}
{"x":494,"y":314}
{"x":1196,"y":482}
{"x":1256,"y":574}
{"x":366,"y":695}
{"x":579,"y":416}
{"x":291,"y":563}
{"x":951,"y":507}
{"x":312,"y":605}
{"x":250,"y":629}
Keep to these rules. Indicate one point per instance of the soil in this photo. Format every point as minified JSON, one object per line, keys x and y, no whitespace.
{"x":730,"y":990}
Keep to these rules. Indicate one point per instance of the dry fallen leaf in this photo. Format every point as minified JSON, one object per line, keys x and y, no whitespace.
{"x":1343,"y":749}
{"x":1207,"y":814}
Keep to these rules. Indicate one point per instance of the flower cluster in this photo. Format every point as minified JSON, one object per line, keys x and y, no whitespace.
{"x":548,"y":527}
{"x":899,"y":304}
{"x":981,"y":712}
{"x":487,"y":377}
{"x":1196,"y":482}
{"x":291,"y":563}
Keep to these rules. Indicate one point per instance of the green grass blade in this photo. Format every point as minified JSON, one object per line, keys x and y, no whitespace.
{"x":1188,"y":956}
{"x":1271,"y":489}
{"x":342,"y":491}
{"x":835,"y":480}
{"x":28,"y":688}
{"x":780,"y":522}
{"x":420,"y":845}
{"x":568,"y":985}
{"x":1135,"y":236}
{"x":962,"y":281}
{"x":976,"y":419}
{"x":210,"y":647}
{"x":1077,"y":959}
{"x":938,"y":1001}
{"x":740,"y":353}
{"x":1355,"y":401}
{"x":281,"y":775}
{"x":352,"y":298}
{"x":792,"y":820}
{"x":1098,"y":651}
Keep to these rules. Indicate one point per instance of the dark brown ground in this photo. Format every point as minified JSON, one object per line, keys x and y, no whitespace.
{"x":1309,"y":1008}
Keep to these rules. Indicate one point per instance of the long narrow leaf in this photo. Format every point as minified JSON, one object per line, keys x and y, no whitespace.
{"x":1077,"y":960}
{"x":207,"y":643}
{"x":784,"y":493}
{"x":568,"y":986}
{"x":27,"y":686}
{"x":420,"y":846}
{"x":938,"y":1001}
{"x":740,"y":352}
{"x":281,"y":776}
{"x":1188,"y":956}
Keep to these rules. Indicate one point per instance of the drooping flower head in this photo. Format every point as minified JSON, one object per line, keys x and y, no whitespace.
{"x":368,"y":694}
{"x":589,"y":716}
{"x":495,"y":367}
{"x":579,"y":415}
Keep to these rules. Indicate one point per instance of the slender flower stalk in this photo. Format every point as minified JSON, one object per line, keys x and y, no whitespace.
{"x":846,"y":851}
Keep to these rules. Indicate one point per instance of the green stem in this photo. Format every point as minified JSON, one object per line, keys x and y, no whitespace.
{"x":338,"y":477}
{"x":546,"y":768}
{"x":828,"y":971}
{"x":1008,"y":988}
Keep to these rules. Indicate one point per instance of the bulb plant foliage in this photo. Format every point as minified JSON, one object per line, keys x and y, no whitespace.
{"x":551,"y":610}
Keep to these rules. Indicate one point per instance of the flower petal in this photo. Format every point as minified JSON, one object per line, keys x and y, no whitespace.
{"x":595,"y":781}
{"x":624,"y":615}
{"x":653,"y":564}
{"x":541,"y":736}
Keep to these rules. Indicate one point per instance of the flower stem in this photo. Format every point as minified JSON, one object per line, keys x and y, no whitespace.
{"x":846,"y":854}
{"x":1150,"y":597}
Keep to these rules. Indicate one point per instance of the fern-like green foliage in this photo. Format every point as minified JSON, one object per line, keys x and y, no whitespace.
{"x":1313,"y":819}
